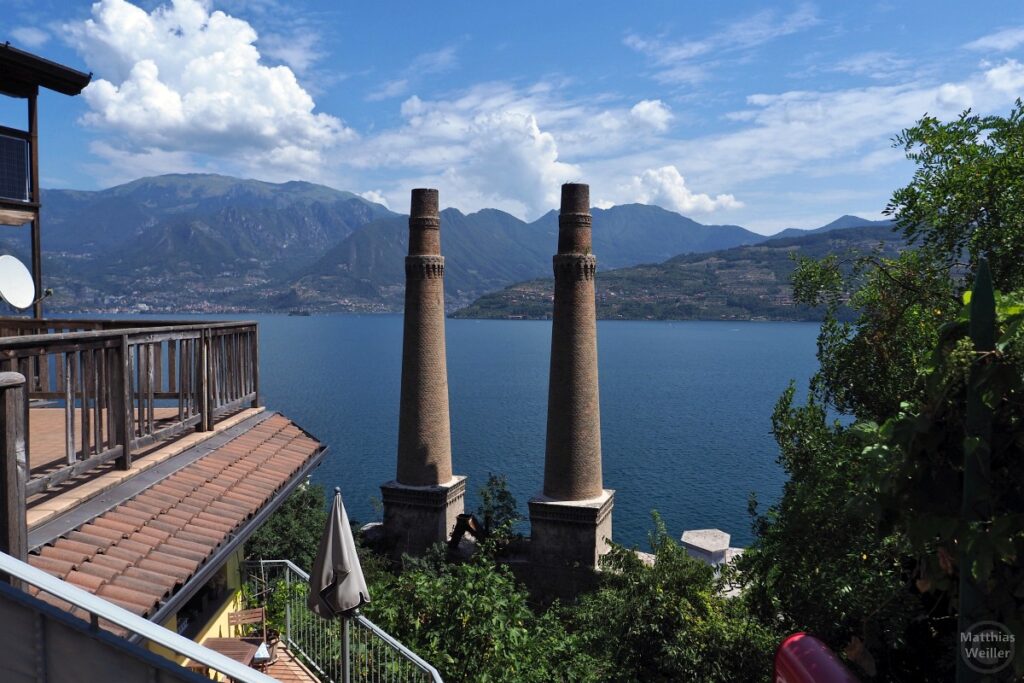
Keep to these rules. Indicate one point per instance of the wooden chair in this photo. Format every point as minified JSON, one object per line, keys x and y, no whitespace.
{"x":244,"y":617}
{"x":255,"y":615}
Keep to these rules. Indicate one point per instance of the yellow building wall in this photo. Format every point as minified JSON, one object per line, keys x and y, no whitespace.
{"x":217,"y":626}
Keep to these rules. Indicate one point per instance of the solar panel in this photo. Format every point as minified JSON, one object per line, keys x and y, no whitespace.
{"x":14,"y":180}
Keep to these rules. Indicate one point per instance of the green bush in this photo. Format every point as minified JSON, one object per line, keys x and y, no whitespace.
{"x":293,"y":532}
{"x":669,"y":621}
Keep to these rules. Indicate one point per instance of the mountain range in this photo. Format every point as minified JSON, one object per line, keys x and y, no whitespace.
{"x":749,"y":282}
{"x":199,"y":242}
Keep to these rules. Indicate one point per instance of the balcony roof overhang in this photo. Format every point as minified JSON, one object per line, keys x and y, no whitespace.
{"x":23,"y":73}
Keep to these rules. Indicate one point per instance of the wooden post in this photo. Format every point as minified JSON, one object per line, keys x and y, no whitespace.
{"x":121,"y":405}
{"x":33,"y":142}
{"x":14,"y":468}
{"x":206,"y":424}
{"x":255,"y":360}
{"x":69,"y":409}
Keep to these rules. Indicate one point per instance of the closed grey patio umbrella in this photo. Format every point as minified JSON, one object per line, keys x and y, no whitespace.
{"x":336,"y":584}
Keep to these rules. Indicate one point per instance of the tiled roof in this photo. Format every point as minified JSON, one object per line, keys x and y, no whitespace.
{"x":143,"y":550}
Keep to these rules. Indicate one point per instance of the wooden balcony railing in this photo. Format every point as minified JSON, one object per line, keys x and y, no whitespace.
{"x":123,"y":385}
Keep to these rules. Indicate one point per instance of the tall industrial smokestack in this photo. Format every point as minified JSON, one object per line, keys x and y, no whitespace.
{"x":571,"y":520}
{"x":424,"y":436}
{"x":572,"y":462}
{"x":422,"y":503}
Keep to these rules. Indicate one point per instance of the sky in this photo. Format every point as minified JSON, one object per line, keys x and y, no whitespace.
{"x":766,"y":115}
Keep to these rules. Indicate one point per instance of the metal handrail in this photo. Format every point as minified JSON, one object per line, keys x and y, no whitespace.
{"x":98,"y":608}
{"x":360,"y":619}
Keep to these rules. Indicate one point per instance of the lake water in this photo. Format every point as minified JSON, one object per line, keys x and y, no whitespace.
{"x":685,"y":408}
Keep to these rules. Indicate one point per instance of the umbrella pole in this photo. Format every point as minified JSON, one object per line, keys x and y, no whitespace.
{"x":345,"y":658}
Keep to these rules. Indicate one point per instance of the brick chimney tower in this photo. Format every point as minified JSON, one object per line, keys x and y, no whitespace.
{"x":421,"y":504}
{"x":571,"y":520}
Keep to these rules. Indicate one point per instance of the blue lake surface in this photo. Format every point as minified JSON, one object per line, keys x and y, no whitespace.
{"x":685,"y":408}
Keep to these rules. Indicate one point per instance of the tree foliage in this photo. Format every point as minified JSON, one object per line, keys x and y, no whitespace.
{"x":916,"y":461}
{"x":474,"y":623}
{"x":498,"y":510}
{"x":293,"y":531}
{"x":966,"y":199}
{"x":860,"y":549}
{"x":669,"y":620}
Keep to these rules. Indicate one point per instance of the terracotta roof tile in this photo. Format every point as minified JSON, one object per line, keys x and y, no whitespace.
{"x":99,"y":543}
{"x":104,"y":572}
{"x":116,"y":523}
{"x":87,"y":549}
{"x":163,"y":524}
{"x":175,"y":542}
{"x":148,"y":587}
{"x":135,"y":543}
{"x":141,"y":551}
{"x":179,"y":573}
{"x":102,"y":532}
{"x":183,"y":553}
{"x":123,"y":553}
{"x":154,"y":578}
{"x":89,"y":582}
{"x":142,"y":507}
{"x":50,"y":565}
{"x":159,"y":535}
{"x":111,"y":562}
{"x":64,"y":554}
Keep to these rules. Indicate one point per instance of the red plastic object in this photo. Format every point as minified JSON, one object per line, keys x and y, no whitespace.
{"x":805,"y":659}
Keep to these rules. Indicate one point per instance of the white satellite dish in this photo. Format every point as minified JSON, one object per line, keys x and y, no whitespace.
{"x":16,"y":285}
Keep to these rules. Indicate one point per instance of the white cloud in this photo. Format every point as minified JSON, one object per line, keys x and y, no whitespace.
{"x":29,"y":36}
{"x":389,"y":89}
{"x":508,"y":147}
{"x":376,"y":196}
{"x":653,"y":113}
{"x":435,"y":62}
{"x":816,"y":131}
{"x":666,"y":187}
{"x":511,"y":161}
{"x":182,"y":88}
{"x":1000,"y":41}
{"x":875,"y":64}
{"x":427,"y":63}
{"x":184,"y":79}
{"x":1007,"y":77}
{"x":689,"y":61}
{"x":298,"y":49}
{"x":480,"y":154}
{"x":118,"y":165}
{"x":803,"y":139}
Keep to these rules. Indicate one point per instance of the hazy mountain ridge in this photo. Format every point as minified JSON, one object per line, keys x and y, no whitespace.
{"x":841,"y":223}
{"x":745,"y":282}
{"x":489,"y":249}
{"x":204,"y":242}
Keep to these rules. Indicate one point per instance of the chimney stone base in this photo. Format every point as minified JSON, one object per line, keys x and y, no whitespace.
{"x":417,"y":517}
{"x":570,"y":534}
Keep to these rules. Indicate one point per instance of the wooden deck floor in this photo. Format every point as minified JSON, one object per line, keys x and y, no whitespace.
{"x":47,"y":438}
{"x":288,"y":669}
{"x":47,"y":433}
